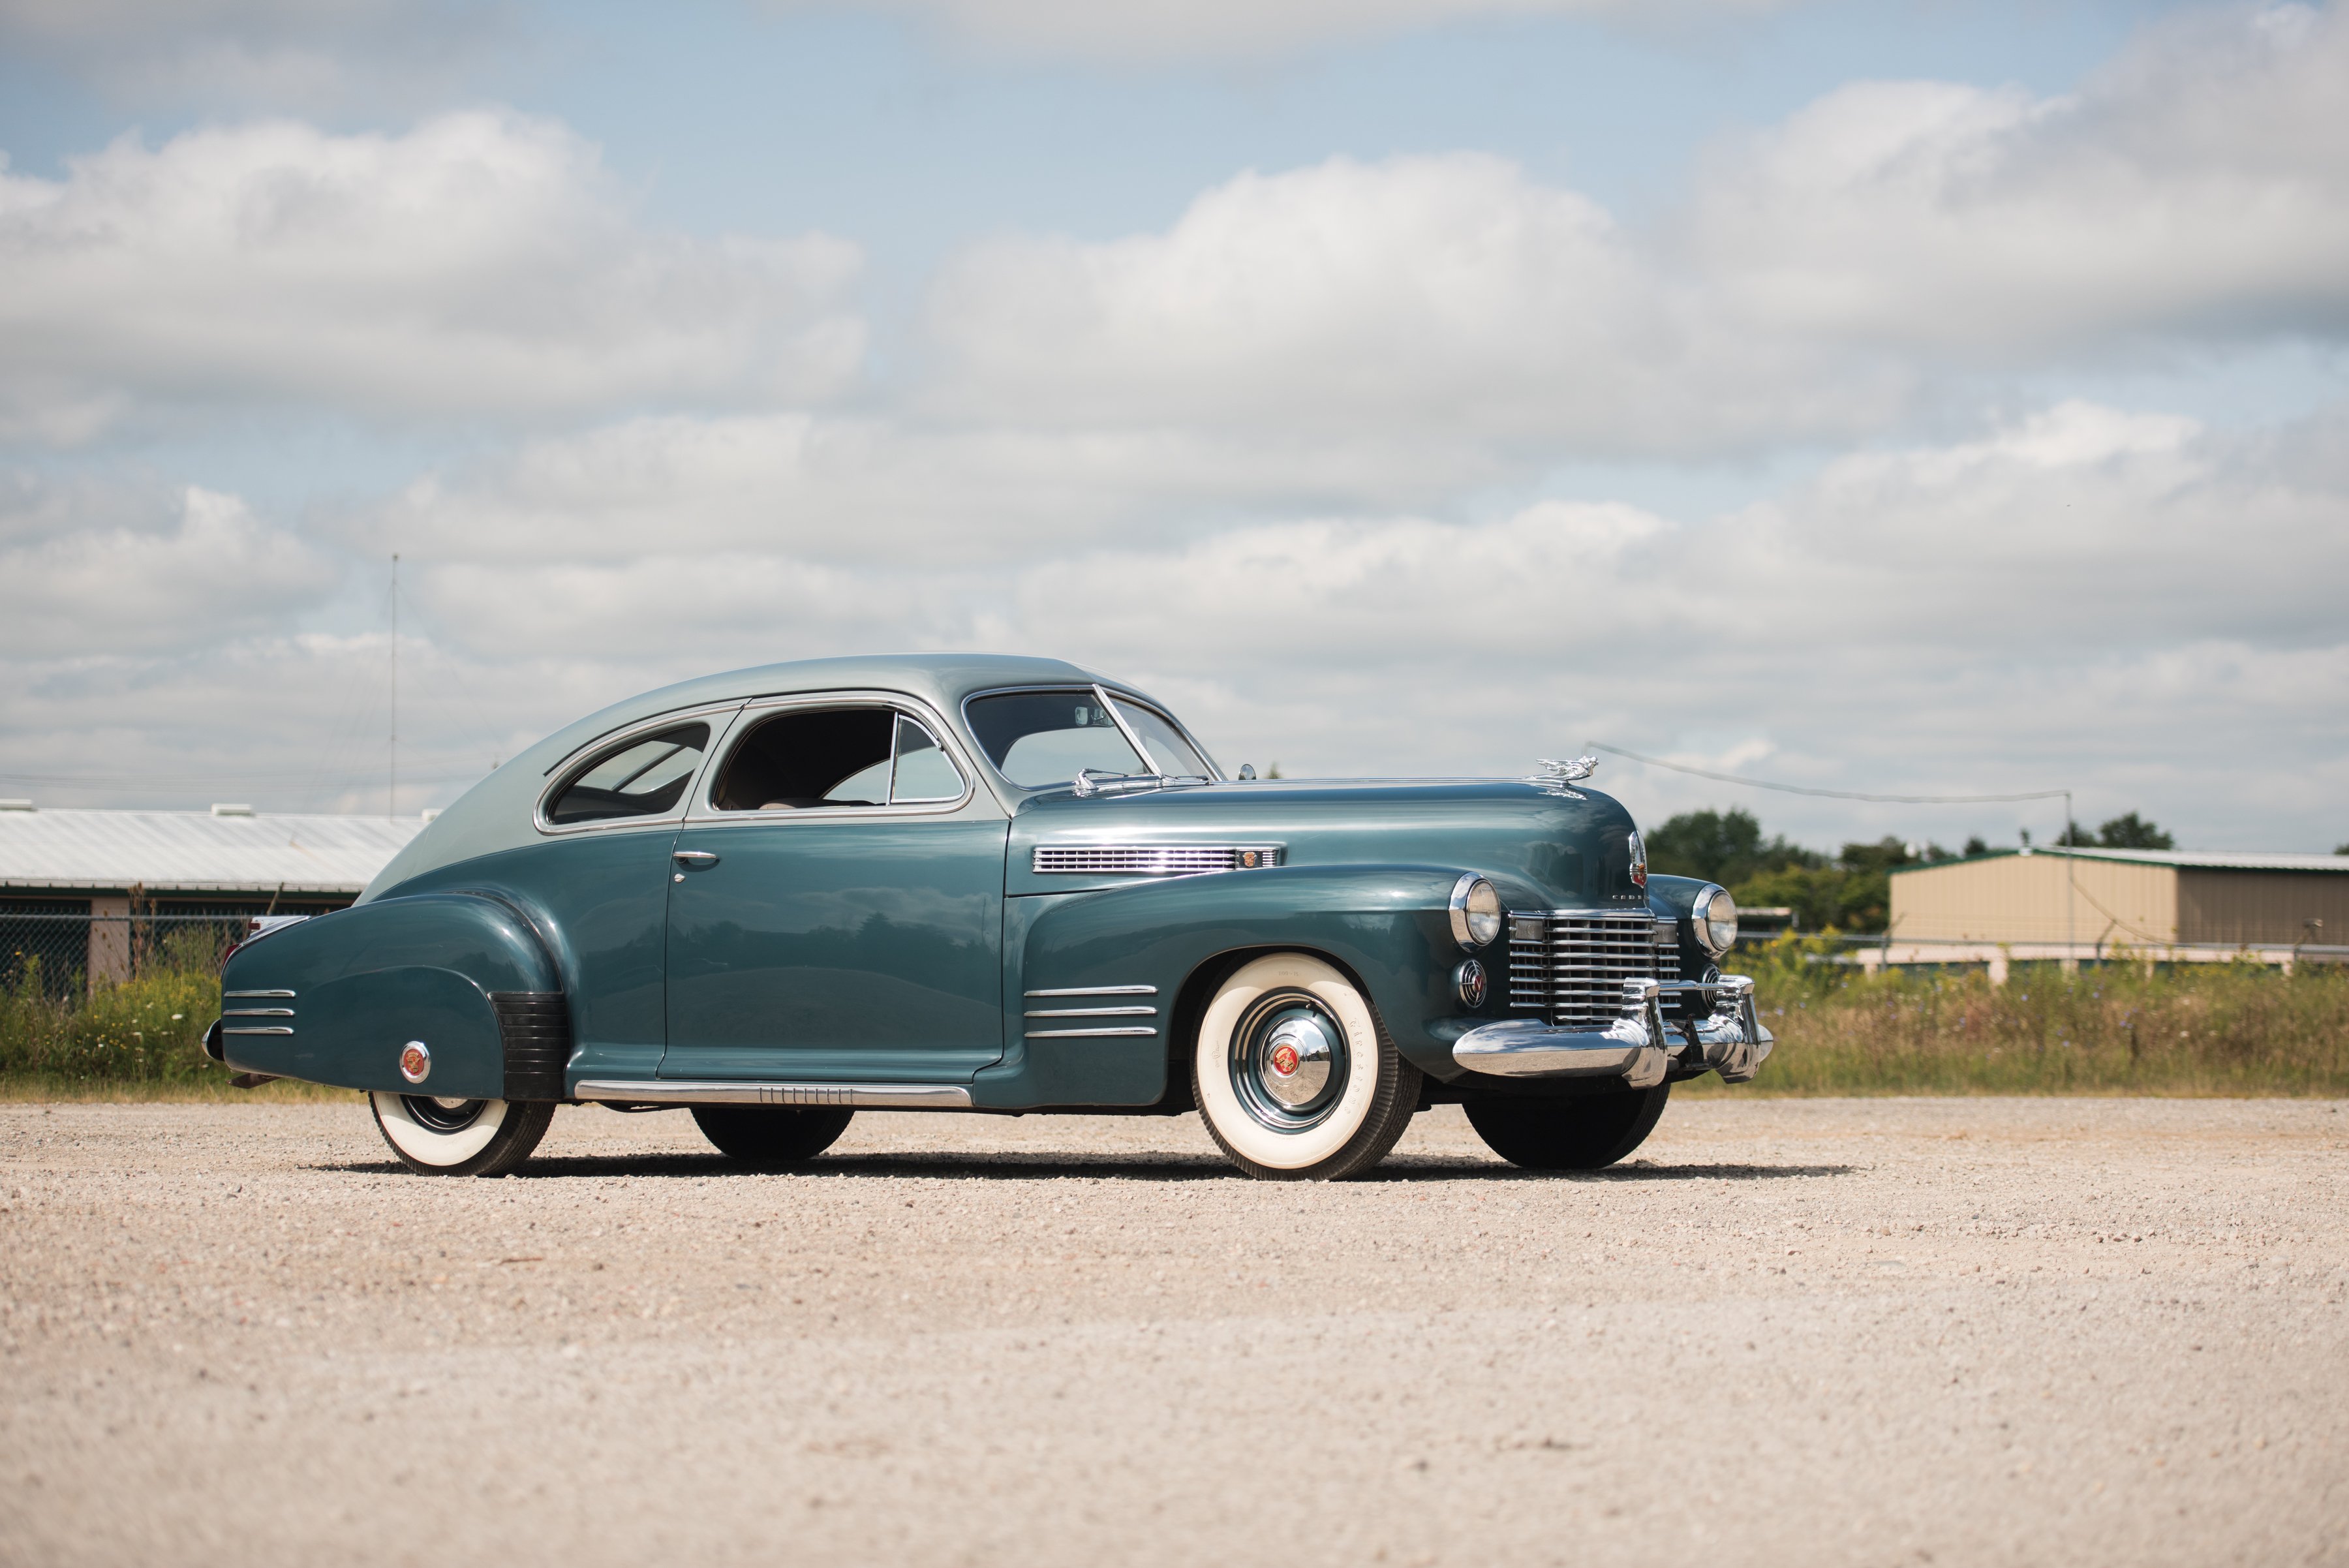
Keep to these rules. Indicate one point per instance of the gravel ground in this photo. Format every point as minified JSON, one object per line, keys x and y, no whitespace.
{"x":1808,"y":1332}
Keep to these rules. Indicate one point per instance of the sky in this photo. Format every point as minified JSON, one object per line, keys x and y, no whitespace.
{"x":1907,"y":397}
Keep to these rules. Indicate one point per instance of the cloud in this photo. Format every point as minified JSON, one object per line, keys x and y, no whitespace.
{"x":847,"y":489}
{"x":315,"y":55}
{"x":1160,"y":31}
{"x":2086,"y":596}
{"x":1445,"y":297}
{"x":479,"y":265}
{"x":217,"y":571}
{"x":2197,"y":186}
{"x":1822,"y":280}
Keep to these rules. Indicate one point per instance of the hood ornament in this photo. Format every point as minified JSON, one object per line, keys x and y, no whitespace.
{"x":1554,"y":776}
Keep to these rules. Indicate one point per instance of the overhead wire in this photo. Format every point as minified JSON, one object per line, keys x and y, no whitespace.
{"x":1832,"y":794}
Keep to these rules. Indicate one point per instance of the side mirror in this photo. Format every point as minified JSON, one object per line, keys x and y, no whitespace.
{"x":1247,"y":770}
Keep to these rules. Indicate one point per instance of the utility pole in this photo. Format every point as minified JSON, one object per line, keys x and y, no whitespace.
{"x":391,"y":781}
{"x":2071,"y":887}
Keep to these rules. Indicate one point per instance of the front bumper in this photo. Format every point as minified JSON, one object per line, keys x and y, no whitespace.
{"x":1640,"y":1048}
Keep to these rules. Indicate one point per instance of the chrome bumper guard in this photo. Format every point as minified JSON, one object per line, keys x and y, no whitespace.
{"x":1640,"y":1047}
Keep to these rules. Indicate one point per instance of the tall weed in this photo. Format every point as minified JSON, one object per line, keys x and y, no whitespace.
{"x":2121,"y":1027}
{"x":148,"y":1030}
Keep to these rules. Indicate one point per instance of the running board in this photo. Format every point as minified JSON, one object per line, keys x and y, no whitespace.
{"x":671,"y":1092}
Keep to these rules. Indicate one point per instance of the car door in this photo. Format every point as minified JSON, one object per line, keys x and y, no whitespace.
{"x":595,"y":879}
{"x":835,"y":908}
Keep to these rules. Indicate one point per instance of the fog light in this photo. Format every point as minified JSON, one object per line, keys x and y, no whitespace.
{"x":1469,"y":981}
{"x":415,"y":1062}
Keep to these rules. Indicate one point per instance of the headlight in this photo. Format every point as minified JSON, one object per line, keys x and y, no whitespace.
{"x":1475,"y":911}
{"x":1716,"y":919}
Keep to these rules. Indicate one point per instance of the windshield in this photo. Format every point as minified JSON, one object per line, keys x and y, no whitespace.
{"x":1040,"y":738}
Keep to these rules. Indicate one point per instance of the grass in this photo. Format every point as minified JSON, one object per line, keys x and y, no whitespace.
{"x":135,"y":1040}
{"x":2232,"y":1029}
{"x":2118,"y":1028}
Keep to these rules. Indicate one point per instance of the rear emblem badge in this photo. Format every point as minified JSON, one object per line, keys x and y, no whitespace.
{"x":1284,"y":1059}
{"x":415,"y":1062}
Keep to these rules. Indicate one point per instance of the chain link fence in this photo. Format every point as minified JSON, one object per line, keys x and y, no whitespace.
{"x":60,"y":953}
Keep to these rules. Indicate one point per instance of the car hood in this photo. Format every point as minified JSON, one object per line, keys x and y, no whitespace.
{"x":1545,"y":846}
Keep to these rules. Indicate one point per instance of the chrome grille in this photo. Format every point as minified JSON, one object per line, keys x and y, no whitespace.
{"x":1153,"y":859}
{"x":1570,"y":968}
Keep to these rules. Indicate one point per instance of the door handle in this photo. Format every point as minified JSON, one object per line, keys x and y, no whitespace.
{"x":694,"y":857}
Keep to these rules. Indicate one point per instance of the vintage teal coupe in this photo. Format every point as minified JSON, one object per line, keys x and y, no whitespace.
{"x":994,"y":884}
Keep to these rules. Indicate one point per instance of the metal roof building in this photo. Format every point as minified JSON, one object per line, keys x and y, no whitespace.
{"x":2083,"y":902}
{"x":91,"y":896}
{"x":226,"y":850}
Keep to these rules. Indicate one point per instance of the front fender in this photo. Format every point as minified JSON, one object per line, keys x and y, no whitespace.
{"x":1387,"y":924}
{"x":336,"y":999}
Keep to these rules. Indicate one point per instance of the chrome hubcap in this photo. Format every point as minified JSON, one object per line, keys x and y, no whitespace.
{"x":1297,"y":1058}
{"x":1288,"y":1061}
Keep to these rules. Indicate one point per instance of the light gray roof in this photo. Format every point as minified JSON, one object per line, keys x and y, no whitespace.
{"x":195,"y":851}
{"x":2204,"y":859}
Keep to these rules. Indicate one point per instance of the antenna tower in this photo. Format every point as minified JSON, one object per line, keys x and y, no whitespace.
{"x":391,"y":779}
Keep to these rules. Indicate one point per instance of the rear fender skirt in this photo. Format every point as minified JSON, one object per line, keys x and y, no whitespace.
{"x":338,"y":1000}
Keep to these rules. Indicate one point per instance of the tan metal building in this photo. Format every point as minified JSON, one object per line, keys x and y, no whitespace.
{"x":2092,"y":900}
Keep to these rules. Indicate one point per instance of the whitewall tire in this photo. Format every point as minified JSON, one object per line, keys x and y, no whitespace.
{"x":461,"y":1137}
{"x":1294,"y":1076}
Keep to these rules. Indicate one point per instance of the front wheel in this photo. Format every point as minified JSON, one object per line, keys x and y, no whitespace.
{"x":436,"y":1137}
{"x":1293,"y":1076}
{"x":1589,"y":1132}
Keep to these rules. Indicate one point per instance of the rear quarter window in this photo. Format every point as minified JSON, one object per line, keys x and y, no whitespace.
{"x":644,"y":776}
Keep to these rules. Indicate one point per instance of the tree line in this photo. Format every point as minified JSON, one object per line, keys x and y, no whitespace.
{"x":1851,"y":890}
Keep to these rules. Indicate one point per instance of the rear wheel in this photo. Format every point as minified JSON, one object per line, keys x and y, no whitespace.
{"x":1293,"y":1076}
{"x":436,"y":1137}
{"x":772,"y":1137}
{"x":1589,"y":1132}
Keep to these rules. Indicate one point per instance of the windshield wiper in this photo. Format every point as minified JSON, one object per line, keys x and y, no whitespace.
{"x":1097,"y":780}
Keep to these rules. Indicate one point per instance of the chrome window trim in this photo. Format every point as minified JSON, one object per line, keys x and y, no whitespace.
{"x":1112,"y":696}
{"x":1103,"y":691}
{"x":699,"y":813}
{"x":563,"y":772}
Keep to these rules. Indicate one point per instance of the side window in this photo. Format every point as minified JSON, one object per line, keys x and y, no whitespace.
{"x":835,"y":757}
{"x":925,"y":771}
{"x":643,"y":777}
{"x":805,"y":759}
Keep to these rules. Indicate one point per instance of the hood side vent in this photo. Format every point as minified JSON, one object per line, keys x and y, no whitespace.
{"x":1152,"y":859}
